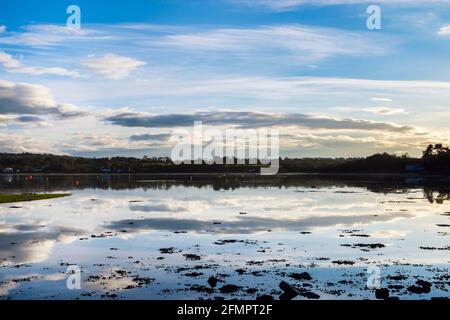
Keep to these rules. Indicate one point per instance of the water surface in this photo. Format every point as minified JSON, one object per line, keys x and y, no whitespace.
{"x":155,"y":237}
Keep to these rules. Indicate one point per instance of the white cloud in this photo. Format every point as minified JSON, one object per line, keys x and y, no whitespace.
{"x":444,"y":31}
{"x":2,"y":28}
{"x":381,"y":99}
{"x":15,"y":66}
{"x":112,"y":66}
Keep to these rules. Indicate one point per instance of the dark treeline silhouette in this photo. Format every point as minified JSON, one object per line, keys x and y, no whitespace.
{"x":379,"y":163}
{"x":436,"y":158}
{"x":48,"y":163}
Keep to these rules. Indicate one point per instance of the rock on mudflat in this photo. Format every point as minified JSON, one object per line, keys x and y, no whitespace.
{"x":301,"y":276}
{"x":290,"y":292}
{"x":230,"y":288}
{"x":382,"y":293}
{"x":212,"y":281}
{"x":420,"y":287}
{"x":264,"y":297}
{"x":170,"y":250}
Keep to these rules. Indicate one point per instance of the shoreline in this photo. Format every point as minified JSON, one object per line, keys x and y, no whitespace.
{"x":200,"y":174}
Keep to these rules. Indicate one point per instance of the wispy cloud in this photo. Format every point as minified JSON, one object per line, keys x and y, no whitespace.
{"x":269,"y":89}
{"x":15,"y":66}
{"x":230,"y":48}
{"x":49,"y":35}
{"x":112,"y":66}
{"x":281,"y":5}
{"x":386,"y":111}
{"x":303,"y":43}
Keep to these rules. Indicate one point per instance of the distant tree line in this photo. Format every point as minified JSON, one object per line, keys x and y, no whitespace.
{"x":436,"y":158}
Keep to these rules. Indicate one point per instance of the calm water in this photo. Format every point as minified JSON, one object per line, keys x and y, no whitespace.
{"x":137,"y":237}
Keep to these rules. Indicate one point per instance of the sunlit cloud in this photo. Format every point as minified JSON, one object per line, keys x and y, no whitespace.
{"x":112,"y":66}
{"x":18,"y":143}
{"x":26,"y":98}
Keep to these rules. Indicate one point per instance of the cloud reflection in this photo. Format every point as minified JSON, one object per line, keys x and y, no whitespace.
{"x":32,"y":247}
{"x":246,"y":225}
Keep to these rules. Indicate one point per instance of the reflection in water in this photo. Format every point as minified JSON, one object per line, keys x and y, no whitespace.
{"x":374,"y":183}
{"x":140,"y":237}
{"x":245,"y":225}
{"x":24,"y":245}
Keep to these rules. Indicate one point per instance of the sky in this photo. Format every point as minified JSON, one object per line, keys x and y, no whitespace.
{"x":137,"y":70}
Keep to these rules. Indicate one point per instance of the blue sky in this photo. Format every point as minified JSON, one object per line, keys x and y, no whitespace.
{"x":310,"y":68}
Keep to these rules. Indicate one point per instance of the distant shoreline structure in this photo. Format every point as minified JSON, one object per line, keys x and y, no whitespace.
{"x":435,"y":159}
